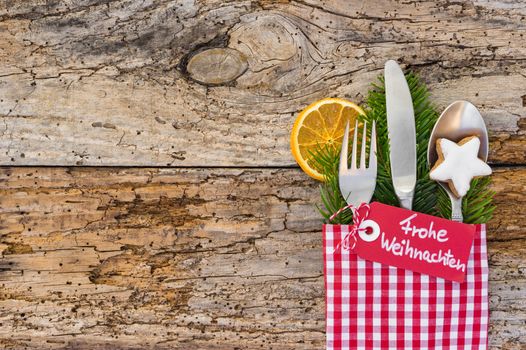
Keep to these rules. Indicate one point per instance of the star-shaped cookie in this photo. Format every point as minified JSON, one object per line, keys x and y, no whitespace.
{"x":458,"y":164}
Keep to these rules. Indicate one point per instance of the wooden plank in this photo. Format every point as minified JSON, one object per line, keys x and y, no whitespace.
{"x":109,"y":83}
{"x":211,"y":259}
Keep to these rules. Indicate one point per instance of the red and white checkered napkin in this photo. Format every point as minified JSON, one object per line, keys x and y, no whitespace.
{"x":375,"y":306}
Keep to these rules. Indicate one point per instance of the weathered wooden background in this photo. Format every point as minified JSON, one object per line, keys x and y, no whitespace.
{"x":202,"y":233}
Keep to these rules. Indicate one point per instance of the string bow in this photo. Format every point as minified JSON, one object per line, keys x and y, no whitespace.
{"x":350,"y":240}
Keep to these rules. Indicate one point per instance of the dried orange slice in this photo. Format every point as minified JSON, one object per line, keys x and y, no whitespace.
{"x":321,"y":124}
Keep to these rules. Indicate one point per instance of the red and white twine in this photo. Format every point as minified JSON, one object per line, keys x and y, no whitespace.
{"x":354,"y":228}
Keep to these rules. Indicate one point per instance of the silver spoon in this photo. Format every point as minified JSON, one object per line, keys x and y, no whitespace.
{"x":459,"y":120}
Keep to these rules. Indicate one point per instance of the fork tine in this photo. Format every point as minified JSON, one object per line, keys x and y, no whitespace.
{"x":354,"y":146}
{"x":344,"y":155}
{"x":362,"y":153}
{"x":372,"y":149}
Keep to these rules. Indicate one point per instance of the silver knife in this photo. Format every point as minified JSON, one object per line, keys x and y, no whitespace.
{"x":402,"y":134}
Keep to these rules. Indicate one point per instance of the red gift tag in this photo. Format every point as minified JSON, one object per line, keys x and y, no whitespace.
{"x":415,"y":241}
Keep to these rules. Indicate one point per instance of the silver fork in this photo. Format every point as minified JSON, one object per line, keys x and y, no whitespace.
{"x":357,"y":184}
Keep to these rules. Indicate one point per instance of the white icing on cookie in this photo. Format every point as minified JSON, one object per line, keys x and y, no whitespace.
{"x":460,"y":165}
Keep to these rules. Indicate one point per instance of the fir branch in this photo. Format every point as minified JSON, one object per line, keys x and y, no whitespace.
{"x":477,"y":204}
{"x":327,"y":159}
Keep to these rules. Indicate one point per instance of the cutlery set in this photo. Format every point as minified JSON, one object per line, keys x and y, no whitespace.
{"x":459,"y":123}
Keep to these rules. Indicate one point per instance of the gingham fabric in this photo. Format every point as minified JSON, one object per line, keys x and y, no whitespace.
{"x":375,"y":306}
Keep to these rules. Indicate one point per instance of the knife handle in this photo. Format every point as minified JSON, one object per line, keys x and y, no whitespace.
{"x":405,"y":198}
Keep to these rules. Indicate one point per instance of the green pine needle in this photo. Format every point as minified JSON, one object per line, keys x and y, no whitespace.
{"x":429,"y":197}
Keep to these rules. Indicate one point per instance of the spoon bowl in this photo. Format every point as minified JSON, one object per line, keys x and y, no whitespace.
{"x":459,"y":120}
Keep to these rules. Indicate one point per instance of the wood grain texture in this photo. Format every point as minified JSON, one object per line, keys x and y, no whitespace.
{"x":193,"y":258}
{"x":128,"y":258}
{"x":98,"y":82}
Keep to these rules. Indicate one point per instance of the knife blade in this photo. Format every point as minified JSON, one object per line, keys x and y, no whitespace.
{"x":402,"y":134}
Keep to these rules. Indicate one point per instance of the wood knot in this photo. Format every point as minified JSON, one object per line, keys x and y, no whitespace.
{"x":216,"y":66}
